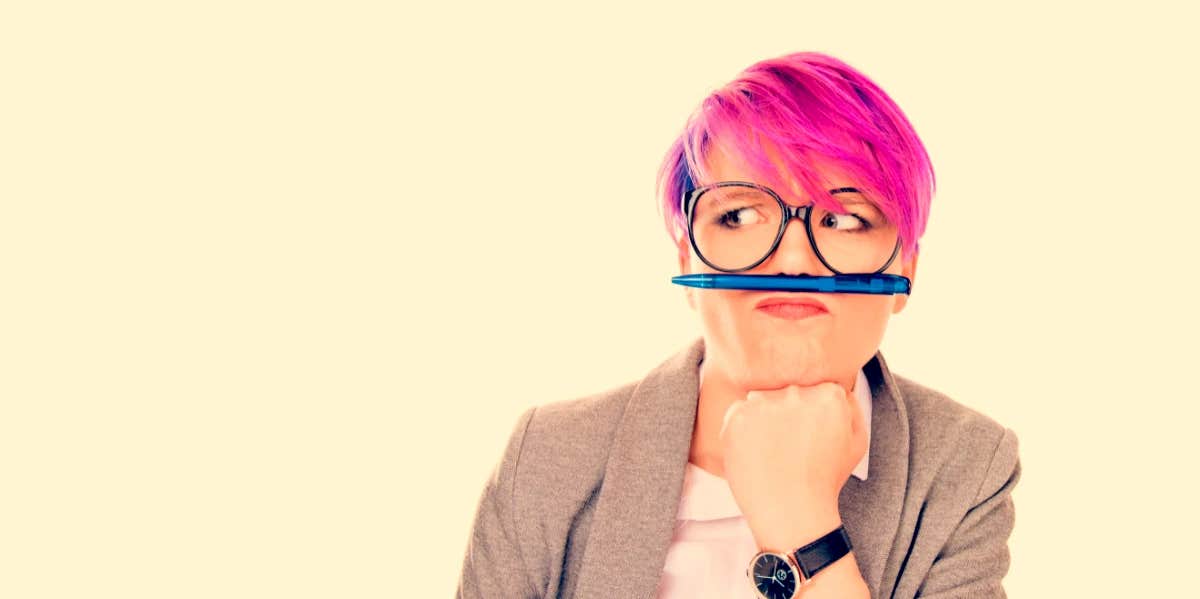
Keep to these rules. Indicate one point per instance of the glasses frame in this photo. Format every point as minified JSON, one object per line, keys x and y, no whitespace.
{"x":688,"y":203}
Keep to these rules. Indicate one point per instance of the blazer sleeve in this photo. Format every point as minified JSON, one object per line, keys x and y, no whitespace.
{"x":493,"y":567}
{"x":975,"y":558}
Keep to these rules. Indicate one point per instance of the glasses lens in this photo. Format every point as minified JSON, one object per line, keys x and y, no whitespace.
{"x":857,"y":240}
{"x":735,"y":225}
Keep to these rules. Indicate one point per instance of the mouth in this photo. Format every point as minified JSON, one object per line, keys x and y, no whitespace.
{"x":791,"y":307}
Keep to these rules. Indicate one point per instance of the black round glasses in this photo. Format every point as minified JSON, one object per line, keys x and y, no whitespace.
{"x":736,"y":225}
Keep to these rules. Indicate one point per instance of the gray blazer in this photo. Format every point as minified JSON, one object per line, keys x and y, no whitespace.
{"x":582,"y":504}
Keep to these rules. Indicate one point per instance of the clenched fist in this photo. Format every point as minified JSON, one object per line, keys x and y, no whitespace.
{"x":787,"y":453}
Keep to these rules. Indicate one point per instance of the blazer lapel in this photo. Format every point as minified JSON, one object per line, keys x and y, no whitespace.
{"x":634,"y":520}
{"x":870,"y":509}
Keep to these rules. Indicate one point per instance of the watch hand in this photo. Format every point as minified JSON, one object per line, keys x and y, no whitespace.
{"x":775,"y":571}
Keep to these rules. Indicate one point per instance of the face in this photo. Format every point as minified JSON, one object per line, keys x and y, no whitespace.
{"x":755,"y":349}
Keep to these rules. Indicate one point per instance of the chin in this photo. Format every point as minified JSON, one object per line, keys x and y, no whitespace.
{"x":780,"y":361}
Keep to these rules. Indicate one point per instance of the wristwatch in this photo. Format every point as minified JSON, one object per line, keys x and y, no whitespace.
{"x":780,"y":575}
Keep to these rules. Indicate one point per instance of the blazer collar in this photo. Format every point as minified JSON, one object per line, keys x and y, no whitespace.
{"x":634,"y":520}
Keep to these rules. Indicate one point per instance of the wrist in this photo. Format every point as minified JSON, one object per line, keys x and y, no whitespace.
{"x":785,"y":534}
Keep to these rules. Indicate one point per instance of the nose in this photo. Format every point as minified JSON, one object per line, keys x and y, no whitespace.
{"x":795,"y":254}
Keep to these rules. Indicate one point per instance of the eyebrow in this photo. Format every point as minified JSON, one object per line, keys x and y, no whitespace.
{"x":852,"y":200}
{"x":740,"y":193}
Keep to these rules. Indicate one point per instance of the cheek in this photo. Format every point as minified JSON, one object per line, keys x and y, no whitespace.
{"x":697,"y":266}
{"x":867,"y":311}
{"x":714,"y":306}
{"x":725,"y":321}
{"x":862,"y":322}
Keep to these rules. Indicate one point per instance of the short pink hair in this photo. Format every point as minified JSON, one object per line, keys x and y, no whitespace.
{"x":806,"y":104}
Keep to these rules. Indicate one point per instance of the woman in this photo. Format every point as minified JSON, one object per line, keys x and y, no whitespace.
{"x":777,"y":455}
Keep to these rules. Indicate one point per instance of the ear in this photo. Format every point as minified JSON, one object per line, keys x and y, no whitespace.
{"x":685,"y":267}
{"x":908,"y":271}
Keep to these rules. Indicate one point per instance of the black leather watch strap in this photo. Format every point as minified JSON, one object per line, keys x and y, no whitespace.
{"x":822,"y":552}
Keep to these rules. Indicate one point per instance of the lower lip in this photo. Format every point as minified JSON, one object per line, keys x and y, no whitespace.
{"x":792,"y":311}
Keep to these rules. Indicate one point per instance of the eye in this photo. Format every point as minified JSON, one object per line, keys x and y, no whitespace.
{"x":734,"y":219}
{"x":844,"y":222}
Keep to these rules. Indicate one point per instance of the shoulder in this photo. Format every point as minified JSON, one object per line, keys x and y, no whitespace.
{"x":963,"y":449}
{"x":962,"y":468}
{"x":565,"y":443}
{"x":937,"y":418}
{"x":593,"y":416}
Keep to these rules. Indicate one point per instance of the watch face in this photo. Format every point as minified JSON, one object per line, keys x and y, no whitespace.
{"x":773,"y":576}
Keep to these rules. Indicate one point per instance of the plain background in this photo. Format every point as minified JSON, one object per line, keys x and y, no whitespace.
{"x":277,"y":278}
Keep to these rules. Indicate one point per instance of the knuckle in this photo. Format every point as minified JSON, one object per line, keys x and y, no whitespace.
{"x":833,"y":388}
{"x":829,"y":397}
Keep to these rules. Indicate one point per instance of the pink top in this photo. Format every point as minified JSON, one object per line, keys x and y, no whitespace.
{"x":712,"y":545}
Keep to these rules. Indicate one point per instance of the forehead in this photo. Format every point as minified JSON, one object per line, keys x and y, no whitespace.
{"x":725,"y":164}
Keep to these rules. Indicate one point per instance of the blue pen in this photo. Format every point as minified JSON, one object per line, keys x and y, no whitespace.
{"x":879,"y":284}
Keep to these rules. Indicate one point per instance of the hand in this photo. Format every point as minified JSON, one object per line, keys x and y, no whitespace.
{"x":789,"y":451}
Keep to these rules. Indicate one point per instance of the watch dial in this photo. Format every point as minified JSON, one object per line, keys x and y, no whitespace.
{"x":773,"y":577}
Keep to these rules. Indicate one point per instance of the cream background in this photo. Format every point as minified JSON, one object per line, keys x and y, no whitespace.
{"x":277,"y":278}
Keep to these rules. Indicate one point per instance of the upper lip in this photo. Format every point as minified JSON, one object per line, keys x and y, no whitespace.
{"x":791,"y":298}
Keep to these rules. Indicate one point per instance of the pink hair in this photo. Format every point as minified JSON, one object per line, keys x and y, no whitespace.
{"x":806,"y":104}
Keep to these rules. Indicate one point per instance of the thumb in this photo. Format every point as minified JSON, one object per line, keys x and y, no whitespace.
{"x":856,"y":417}
{"x":858,"y":427}
{"x":729,"y":412}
